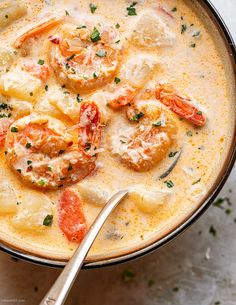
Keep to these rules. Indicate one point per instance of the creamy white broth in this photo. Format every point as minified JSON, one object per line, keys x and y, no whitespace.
{"x":193,"y":65}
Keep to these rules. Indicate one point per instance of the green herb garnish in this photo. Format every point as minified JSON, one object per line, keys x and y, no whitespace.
{"x":117,"y":80}
{"x":169,"y":184}
{"x":92,"y":7}
{"x":183,"y":28}
{"x":137,"y":116}
{"x":101,"y":53}
{"x":41,"y":62}
{"x":95,"y":36}
{"x":128,"y":275}
{"x":131,"y":9}
{"x":48,"y":220}
{"x":14,"y":129}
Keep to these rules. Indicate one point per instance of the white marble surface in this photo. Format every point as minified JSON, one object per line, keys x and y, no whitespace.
{"x":196,"y":269}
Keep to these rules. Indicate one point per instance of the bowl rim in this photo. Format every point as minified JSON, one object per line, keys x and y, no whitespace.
{"x":213,"y":192}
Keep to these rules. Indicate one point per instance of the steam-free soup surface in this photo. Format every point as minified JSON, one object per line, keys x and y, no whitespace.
{"x":102,"y":96}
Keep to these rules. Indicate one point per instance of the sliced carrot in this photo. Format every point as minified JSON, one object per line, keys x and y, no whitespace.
{"x":181,"y":105}
{"x":71,"y":217}
{"x":4,"y":125}
{"x":36,"y":31}
{"x":41,"y":72}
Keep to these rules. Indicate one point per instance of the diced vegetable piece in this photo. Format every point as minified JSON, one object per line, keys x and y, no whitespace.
{"x":149,"y":201}
{"x":138,"y":69}
{"x":150,"y":31}
{"x":63,"y":101}
{"x":33,"y":208}
{"x":21,"y":108}
{"x":9,"y":14}
{"x":89,"y":194}
{"x":20,"y":84}
{"x":71,"y":217}
{"x":8,"y":200}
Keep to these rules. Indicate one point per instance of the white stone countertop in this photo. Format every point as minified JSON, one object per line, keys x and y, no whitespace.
{"x":195,"y":269}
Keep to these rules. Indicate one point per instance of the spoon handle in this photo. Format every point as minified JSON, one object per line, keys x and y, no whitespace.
{"x":59,"y":291}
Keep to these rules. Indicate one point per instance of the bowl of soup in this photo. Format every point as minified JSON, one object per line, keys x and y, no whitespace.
{"x":101,"y":96}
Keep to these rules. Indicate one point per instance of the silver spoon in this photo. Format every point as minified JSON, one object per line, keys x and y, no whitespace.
{"x":59,"y":291}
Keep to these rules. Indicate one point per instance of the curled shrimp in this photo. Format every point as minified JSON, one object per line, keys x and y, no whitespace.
{"x":5,"y":123}
{"x":85,"y":57}
{"x":151,"y":139}
{"x":43,"y":153}
{"x":39,"y":29}
{"x":180,"y":104}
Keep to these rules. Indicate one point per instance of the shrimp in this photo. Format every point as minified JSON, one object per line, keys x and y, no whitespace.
{"x":41,"y":72}
{"x":85,"y":57}
{"x":72,"y":221}
{"x":45,"y":26}
{"x":44,"y":154}
{"x":152,"y":136}
{"x":179,"y":104}
{"x":122,"y":96}
{"x":4,"y":125}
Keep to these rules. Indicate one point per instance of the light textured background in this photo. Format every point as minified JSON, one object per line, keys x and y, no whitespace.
{"x":196,"y":269}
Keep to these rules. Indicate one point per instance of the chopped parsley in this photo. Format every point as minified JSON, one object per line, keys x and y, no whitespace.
{"x":42,"y":182}
{"x":174,"y":9}
{"x":128,"y":275}
{"x":70,"y":167}
{"x":218,"y":203}
{"x":95,"y":75}
{"x":137,"y":116}
{"x":196,"y":34}
{"x":18,"y":170}
{"x":117,"y":26}
{"x":212,"y":231}
{"x":28,"y":145}
{"x":193,"y":45}
{"x":41,"y":62}
{"x":88,"y":146}
{"x":6,"y":16}
{"x":199,"y":112}
{"x":228,"y":211}
{"x":29,"y":162}
{"x":61,"y":151}
{"x":31,"y":94}
{"x":49,"y":169}
{"x":92,"y":7}
{"x":175,"y":289}
{"x":117,"y":80}
{"x":46,"y":88}
{"x":101,"y":53}
{"x":183,"y":28}
{"x":217,"y":303}
{"x":18,"y":202}
{"x":14,"y":129}
{"x":131,"y":9}
{"x":48,"y":220}
{"x":81,"y":27}
{"x":67,"y":13}
{"x":169,"y":184}
{"x":71,"y":57}
{"x":79,"y":99}
{"x":197,"y":181}
{"x":157,"y":124}
{"x":95,"y":36}
{"x":172,"y":154}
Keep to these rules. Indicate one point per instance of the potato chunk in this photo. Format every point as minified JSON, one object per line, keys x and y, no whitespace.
{"x":20,"y":84}
{"x":148,"y":200}
{"x":150,"y":31}
{"x":34,"y":208}
{"x":91,"y":194}
{"x":8,"y":200}
{"x":138,"y":69}
{"x":11,"y":12}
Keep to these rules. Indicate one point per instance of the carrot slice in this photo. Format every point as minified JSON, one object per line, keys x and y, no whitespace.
{"x":4,"y":125}
{"x":36,"y":31}
{"x":180,"y":105}
{"x":71,"y":217}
